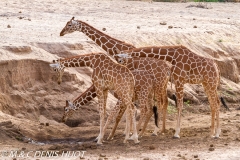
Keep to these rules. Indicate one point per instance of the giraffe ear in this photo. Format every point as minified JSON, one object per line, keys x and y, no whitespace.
{"x":72,"y":18}
{"x":117,"y":51}
{"x":54,"y":65}
{"x":123,"y":55}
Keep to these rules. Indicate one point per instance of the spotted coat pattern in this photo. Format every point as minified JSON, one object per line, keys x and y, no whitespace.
{"x":187,"y":67}
{"x":107,"y":75}
{"x":110,"y":45}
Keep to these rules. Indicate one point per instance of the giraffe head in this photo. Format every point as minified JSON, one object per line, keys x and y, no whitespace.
{"x":59,"y":69}
{"x":121,"y":58}
{"x":68,"y":110}
{"x":70,"y":27}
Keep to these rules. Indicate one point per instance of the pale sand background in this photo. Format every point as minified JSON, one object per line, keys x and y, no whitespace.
{"x":30,"y":95}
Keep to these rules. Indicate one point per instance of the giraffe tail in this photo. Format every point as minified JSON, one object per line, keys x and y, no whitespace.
{"x":155,"y":115}
{"x":224,"y":103}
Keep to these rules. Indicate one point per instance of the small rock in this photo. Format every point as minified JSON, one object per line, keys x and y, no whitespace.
{"x":211,"y":145}
{"x":224,"y":131}
{"x":179,"y":155}
{"x":237,"y":114}
{"x":54,"y":147}
{"x":194,"y":18}
{"x":23,"y":149}
{"x":20,"y":12}
{"x":163,"y":23}
{"x":20,"y":17}
{"x":237,"y":139}
{"x":47,"y":124}
{"x":102,"y":155}
{"x":104,"y":29}
{"x":170,"y":27}
{"x":14,"y":158}
{"x":8,"y":26}
{"x":195,"y":156}
{"x":138,"y":27}
{"x":229,"y":121}
{"x":194,"y":26}
{"x":211,"y":149}
{"x":93,"y":146}
{"x":151,"y":147}
{"x":100,"y":158}
{"x":42,"y":124}
{"x":146,"y":158}
{"x":228,"y":18}
{"x":29,"y":19}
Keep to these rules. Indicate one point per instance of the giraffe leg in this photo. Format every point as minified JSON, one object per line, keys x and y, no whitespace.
{"x":179,"y":94}
{"x":164,"y":110}
{"x":102,"y":108}
{"x":148,"y":116}
{"x":131,"y":112}
{"x":118,"y":118}
{"x":127,"y":129}
{"x":160,"y":110}
{"x":143,"y":110}
{"x":145,"y":104}
{"x":114,"y":111}
{"x":215,"y":106}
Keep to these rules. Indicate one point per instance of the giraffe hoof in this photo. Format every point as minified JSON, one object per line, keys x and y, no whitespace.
{"x":176,"y":137}
{"x":136,"y":141}
{"x":125,"y":141}
{"x":99,"y":144}
{"x":109,"y":138}
{"x":154,"y":134}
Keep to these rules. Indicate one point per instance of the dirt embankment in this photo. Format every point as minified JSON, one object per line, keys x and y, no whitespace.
{"x":31,"y":102}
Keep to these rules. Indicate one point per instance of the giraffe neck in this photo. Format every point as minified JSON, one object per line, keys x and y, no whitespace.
{"x":169,"y":54}
{"x":85,"y":97}
{"x":106,"y":42}
{"x":78,"y":61}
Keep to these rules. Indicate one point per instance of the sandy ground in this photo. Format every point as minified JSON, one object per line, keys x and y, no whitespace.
{"x":31,"y":102}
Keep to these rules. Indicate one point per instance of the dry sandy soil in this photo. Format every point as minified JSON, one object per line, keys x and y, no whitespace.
{"x":31,"y":102}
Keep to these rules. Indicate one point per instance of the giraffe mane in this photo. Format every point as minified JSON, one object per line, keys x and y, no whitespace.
{"x":162,"y":47}
{"x":104,"y":33}
{"x":82,"y":55}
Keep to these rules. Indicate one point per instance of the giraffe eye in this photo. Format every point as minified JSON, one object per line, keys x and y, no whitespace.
{"x":69,"y":25}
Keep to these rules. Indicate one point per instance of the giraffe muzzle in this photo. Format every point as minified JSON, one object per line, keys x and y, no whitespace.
{"x":62,"y":33}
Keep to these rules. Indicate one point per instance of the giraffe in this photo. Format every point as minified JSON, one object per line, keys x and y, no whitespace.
{"x":161,"y":71}
{"x":143,"y":92}
{"x":106,"y":42}
{"x":107,"y":75}
{"x":109,"y":44}
{"x":157,"y":75}
{"x":187,"y":67}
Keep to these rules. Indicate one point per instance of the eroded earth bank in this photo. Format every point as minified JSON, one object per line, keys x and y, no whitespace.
{"x":31,"y":101}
